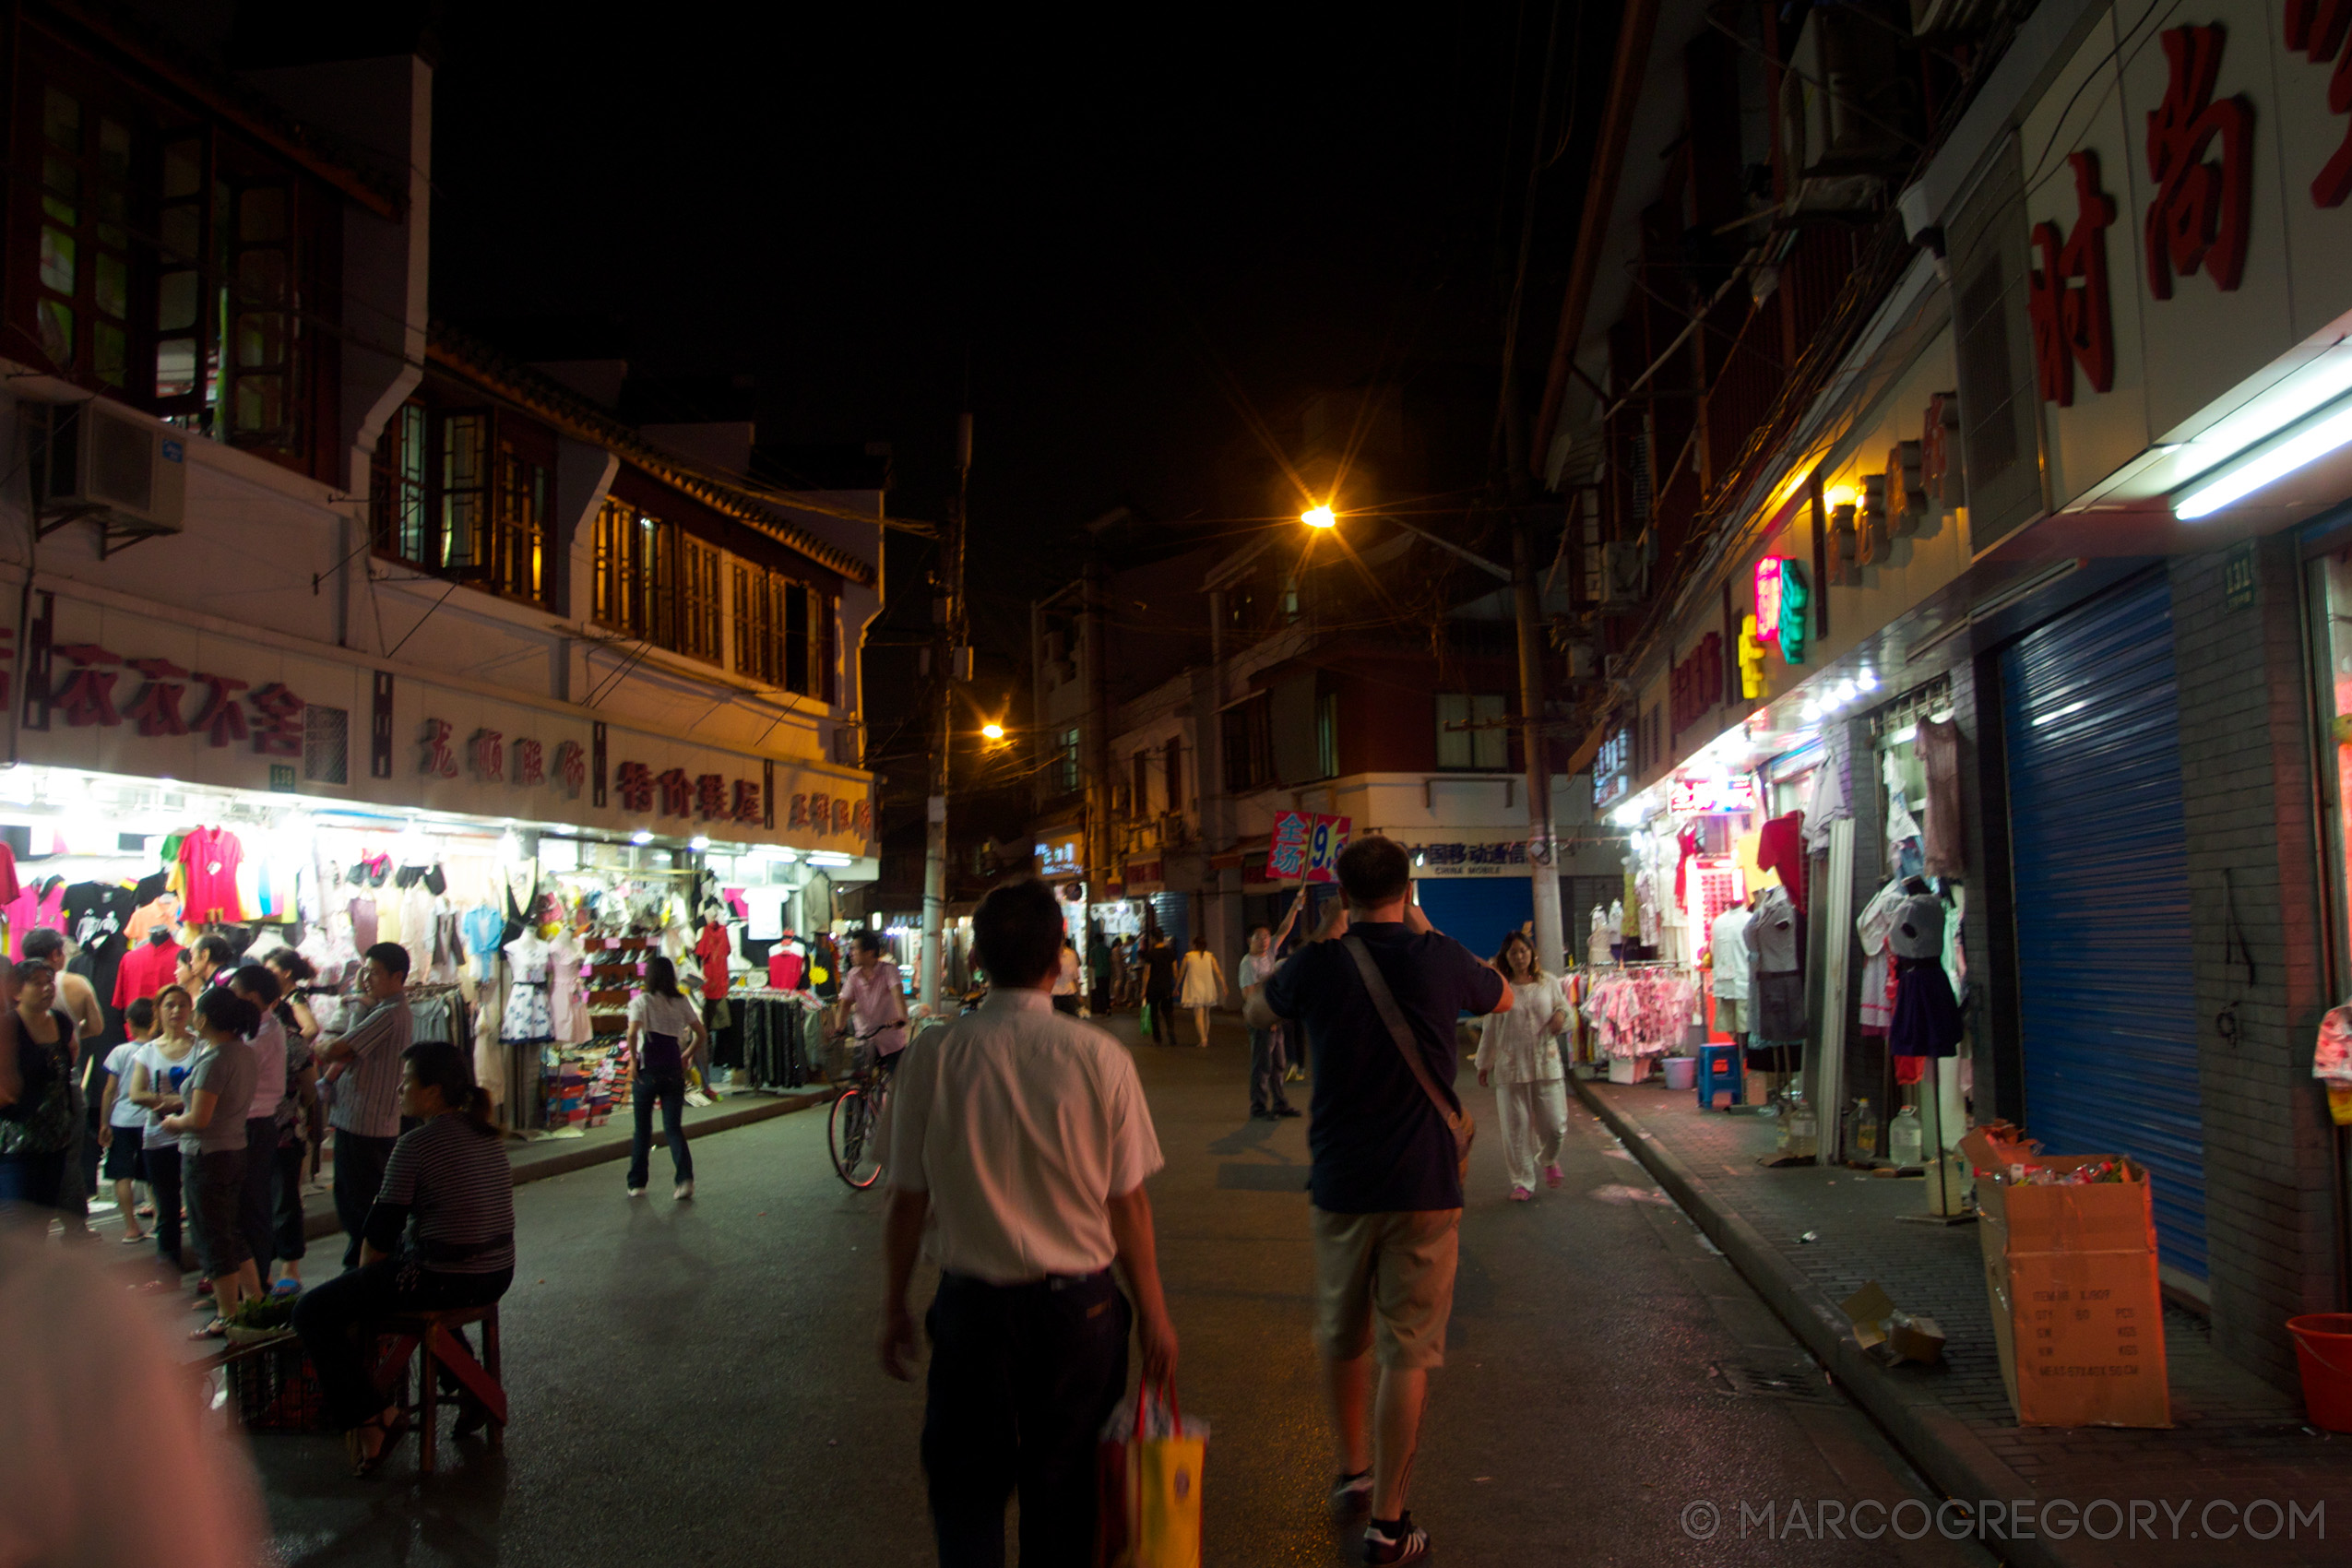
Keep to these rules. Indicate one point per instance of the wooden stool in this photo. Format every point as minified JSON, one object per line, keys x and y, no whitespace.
{"x":434,"y":1334}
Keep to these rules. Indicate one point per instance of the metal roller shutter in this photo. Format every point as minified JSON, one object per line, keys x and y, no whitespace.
{"x":1477,"y":912}
{"x":1175,"y":913}
{"x":2099,"y":861}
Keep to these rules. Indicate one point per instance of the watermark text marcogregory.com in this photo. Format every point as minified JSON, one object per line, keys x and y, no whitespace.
{"x":2006,"y":1519}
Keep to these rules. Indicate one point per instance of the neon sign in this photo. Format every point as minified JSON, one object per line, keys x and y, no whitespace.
{"x":1782,"y":597}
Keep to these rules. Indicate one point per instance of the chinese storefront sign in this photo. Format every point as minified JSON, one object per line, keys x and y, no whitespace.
{"x":1305,"y":846}
{"x":85,"y":696}
{"x":2200,"y":216}
{"x":1698,"y":796}
{"x":2318,"y":27}
{"x":1782,"y":597}
{"x":1613,"y":767}
{"x":2066,"y":294}
{"x":1061,"y":855}
{"x":1469,"y":860}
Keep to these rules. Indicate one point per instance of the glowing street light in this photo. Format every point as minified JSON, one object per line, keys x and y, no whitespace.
{"x":1318,"y":517}
{"x":994,"y":732}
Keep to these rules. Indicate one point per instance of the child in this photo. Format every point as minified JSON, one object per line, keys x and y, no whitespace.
{"x":121,"y":1122}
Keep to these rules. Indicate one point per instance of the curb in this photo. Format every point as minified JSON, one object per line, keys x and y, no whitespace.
{"x":323,"y":1223}
{"x":1934,"y":1440}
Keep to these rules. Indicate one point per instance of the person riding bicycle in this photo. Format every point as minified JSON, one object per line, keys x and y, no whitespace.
{"x":872,"y":1003}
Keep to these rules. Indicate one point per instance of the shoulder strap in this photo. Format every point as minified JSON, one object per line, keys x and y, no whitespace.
{"x":1384,"y":1003}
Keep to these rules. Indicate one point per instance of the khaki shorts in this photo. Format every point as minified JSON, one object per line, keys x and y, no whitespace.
{"x":1393,"y":1272}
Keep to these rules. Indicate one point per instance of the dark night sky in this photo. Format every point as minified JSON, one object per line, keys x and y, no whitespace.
{"x":1120,"y":232}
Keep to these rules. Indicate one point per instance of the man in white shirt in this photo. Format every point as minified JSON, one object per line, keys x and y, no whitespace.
{"x":1022,"y":1138}
{"x":1269,"y":1063}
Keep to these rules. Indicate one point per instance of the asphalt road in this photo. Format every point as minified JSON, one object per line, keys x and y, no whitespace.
{"x":694,"y":1383}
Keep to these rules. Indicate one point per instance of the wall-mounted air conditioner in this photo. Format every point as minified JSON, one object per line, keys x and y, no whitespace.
{"x":92,"y":460}
{"x":1845,"y":109}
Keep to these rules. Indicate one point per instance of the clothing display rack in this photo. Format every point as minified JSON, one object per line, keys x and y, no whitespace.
{"x":777,"y":1051}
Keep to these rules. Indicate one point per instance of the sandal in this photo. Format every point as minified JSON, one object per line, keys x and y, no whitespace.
{"x":285,"y":1290}
{"x":364,"y":1465}
{"x":217,"y":1329}
{"x":136,"y":1238}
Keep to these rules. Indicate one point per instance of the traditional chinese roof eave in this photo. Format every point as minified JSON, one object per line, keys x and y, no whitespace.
{"x":452,"y":351}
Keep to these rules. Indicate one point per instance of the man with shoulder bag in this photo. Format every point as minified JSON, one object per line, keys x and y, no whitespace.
{"x":1378,"y":992}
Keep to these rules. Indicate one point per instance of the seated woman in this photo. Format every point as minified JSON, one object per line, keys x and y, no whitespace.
{"x":440,"y":1234}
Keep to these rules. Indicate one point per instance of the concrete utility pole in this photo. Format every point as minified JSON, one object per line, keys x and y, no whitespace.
{"x":948,"y":653}
{"x":1543,"y":845}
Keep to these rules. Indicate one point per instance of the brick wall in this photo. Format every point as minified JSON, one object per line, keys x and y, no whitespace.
{"x":2248,"y":792}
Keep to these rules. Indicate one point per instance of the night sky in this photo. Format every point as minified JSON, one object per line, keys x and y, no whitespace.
{"x":1122,"y":238}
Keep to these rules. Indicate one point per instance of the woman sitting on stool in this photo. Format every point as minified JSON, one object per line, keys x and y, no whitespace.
{"x":441,"y":1235}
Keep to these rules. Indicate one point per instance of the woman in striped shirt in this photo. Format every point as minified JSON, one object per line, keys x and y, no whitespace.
{"x":440,"y":1234}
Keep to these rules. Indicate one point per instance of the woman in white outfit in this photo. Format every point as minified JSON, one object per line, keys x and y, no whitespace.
{"x":1519,"y":1056}
{"x":1201,"y":986}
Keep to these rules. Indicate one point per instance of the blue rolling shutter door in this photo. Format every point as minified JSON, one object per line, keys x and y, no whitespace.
{"x":2098,"y":849}
{"x":1175,"y":912}
{"x":1477,"y":911}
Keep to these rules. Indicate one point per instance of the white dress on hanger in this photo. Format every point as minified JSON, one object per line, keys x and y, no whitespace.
{"x":527,"y":1021}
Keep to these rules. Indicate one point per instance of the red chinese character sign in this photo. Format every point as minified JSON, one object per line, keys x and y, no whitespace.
{"x":2318,"y":27}
{"x":1306,"y":845}
{"x":2067,"y":293}
{"x":2201,"y":155}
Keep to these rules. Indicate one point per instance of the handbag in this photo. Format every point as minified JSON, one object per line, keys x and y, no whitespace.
{"x":1457,"y":1120}
{"x":1149,"y":1485}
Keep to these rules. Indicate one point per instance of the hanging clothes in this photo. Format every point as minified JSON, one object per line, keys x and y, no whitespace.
{"x":1781,"y":849}
{"x":527,"y":1021}
{"x":1946,"y":840}
{"x":567,"y":997}
{"x":37,"y":904}
{"x":1777,"y":984}
{"x":209,"y":858}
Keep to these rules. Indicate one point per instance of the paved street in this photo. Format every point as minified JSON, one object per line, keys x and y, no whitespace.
{"x":694,"y":1382}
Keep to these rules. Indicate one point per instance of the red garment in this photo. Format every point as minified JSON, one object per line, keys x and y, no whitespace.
{"x":1781,"y":847}
{"x":1911,"y":1069}
{"x":784,"y":967}
{"x":210,"y":857}
{"x":145,"y":970}
{"x":1688,"y":842}
{"x":8,"y":888}
{"x":712,"y":950}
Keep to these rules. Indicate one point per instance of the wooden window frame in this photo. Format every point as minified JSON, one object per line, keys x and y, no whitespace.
{"x":501,"y":507}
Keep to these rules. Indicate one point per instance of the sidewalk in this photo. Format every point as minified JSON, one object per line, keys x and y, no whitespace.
{"x":2235,"y":1439}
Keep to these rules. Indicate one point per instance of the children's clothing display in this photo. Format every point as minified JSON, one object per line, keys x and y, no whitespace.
{"x":1642,"y":1012}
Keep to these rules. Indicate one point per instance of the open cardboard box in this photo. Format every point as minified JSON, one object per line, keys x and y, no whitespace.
{"x":1908,"y":1336}
{"x":2071,"y":1272}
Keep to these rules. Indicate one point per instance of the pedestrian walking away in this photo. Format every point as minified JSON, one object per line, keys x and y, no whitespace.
{"x":1267,"y":1099}
{"x":256,"y":1204}
{"x":1378,"y":992}
{"x":664,"y":1030}
{"x":1097,"y":968}
{"x":1204,"y":987}
{"x":1518,"y":1056}
{"x":363,"y":1072}
{"x":1028,"y":1330}
{"x":439,"y":1234}
{"x":1160,"y":984}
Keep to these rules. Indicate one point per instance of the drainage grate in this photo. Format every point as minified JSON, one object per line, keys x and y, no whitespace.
{"x":1807,"y":1383}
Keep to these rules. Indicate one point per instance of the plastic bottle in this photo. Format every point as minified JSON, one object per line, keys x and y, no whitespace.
{"x":1904,"y":1139}
{"x":1865,"y":1130}
{"x":1799,"y":1135}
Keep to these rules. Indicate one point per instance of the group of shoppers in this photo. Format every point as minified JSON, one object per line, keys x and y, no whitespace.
{"x":1020,"y":1145}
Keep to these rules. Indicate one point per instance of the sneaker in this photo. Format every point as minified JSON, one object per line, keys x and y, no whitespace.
{"x":1352,"y":1491}
{"x":1551,"y":1176}
{"x":1286,"y":1111}
{"x":683,"y":1190}
{"x":1403,"y":1541}
{"x":636,"y":1192}
{"x":1521,"y":1194}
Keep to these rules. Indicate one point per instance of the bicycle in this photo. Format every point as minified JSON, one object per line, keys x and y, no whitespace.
{"x":854,"y":1126}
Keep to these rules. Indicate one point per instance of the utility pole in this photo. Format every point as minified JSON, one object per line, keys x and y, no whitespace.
{"x":1543,"y":843}
{"x":949,"y":649}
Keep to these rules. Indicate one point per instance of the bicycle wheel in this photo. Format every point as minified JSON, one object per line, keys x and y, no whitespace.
{"x":851,"y":1136}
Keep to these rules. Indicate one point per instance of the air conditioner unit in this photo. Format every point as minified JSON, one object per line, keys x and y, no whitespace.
{"x":92,"y":460}
{"x":1626,"y":575}
{"x":1845,"y":107}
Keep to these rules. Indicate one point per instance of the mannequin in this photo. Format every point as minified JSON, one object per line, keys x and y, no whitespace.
{"x":1776,"y":982}
{"x":1727,"y":955}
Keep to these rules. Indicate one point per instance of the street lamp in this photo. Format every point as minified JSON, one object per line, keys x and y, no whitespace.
{"x":1318,"y":517}
{"x":994,"y":732}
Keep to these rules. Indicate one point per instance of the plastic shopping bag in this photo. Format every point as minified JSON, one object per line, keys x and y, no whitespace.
{"x":1150,"y":1477}
{"x":1143,"y":1030}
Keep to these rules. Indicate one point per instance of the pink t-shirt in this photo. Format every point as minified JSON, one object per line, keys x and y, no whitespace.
{"x":876,"y":1003}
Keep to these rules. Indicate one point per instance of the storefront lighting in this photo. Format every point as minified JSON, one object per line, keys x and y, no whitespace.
{"x":2274,"y":461}
{"x":641,"y":836}
{"x":698,"y":842}
{"x":1867,"y":680}
{"x":2263,"y":417}
{"x":827,"y":858}
{"x":1838,"y":496}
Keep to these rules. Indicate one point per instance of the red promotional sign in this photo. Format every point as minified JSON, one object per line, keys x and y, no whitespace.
{"x":1306,"y":845}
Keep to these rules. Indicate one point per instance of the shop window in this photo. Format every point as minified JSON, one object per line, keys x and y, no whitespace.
{"x":1470,"y":733}
{"x":1327,"y":735}
{"x":326,"y":744}
{"x":2330,"y":589}
{"x":466,"y":494}
{"x":1248,"y":732}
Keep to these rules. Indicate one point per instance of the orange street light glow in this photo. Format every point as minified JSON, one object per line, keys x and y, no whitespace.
{"x":1317,"y":518}
{"x":994,"y":732}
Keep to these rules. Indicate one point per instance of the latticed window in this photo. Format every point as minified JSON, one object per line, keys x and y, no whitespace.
{"x":698,"y":599}
{"x":467,"y":494}
{"x":780,"y":630}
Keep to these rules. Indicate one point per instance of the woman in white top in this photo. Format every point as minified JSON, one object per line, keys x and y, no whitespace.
{"x":1200,"y":986}
{"x":1519,"y":1056}
{"x":664,"y":1030}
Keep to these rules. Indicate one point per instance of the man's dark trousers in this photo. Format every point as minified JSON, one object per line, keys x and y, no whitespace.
{"x":359,"y":1177}
{"x":1022,"y":1379}
{"x":1268,"y":1064}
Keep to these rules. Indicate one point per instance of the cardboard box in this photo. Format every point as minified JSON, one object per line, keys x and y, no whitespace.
{"x":1908,"y":1336}
{"x":2071,"y":1272}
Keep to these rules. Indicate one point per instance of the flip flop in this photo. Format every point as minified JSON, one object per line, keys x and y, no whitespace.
{"x":216,"y":1329}
{"x":285,"y":1288}
{"x":138,"y":1240}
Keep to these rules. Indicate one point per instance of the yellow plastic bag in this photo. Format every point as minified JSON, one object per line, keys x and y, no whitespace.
{"x":1150,"y":1514}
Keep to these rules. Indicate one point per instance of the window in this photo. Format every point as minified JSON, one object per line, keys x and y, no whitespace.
{"x":1471,"y":733}
{"x":1248,"y":732}
{"x":698,"y":599}
{"x":1327,"y":735}
{"x":326,"y":744}
{"x":781,"y":627}
{"x":1066,"y":774}
{"x":1174,"y":755}
{"x":462,"y":493}
{"x":82,"y":310}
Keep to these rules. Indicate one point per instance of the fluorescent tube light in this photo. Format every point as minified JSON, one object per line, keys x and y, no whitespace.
{"x":2265,"y":416}
{"x":2304,"y":448}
